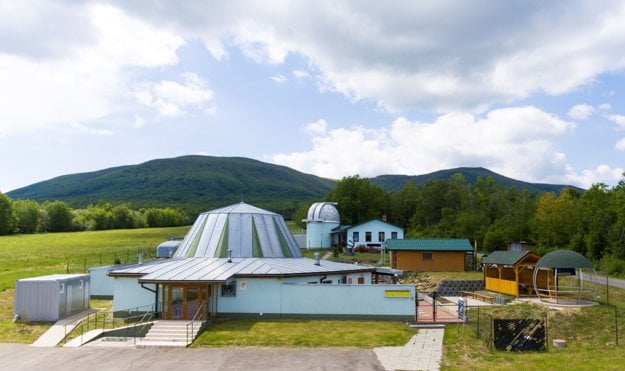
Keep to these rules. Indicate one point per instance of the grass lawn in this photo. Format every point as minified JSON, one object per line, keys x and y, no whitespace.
{"x":304,"y":333}
{"x":590,"y":332}
{"x":32,"y":255}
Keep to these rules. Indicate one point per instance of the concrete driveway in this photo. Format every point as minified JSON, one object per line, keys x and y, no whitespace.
{"x":23,"y":357}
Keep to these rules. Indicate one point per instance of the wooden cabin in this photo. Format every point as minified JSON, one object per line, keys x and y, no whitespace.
{"x":430,"y":254}
{"x":510,"y":272}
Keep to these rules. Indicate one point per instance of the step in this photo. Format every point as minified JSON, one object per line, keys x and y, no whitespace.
{"x":164,"y":344}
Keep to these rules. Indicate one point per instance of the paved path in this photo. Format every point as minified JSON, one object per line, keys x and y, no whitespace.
{"x":57,"y":332}
{"x":612,"y":281}
{"x":423,"y":352}
{"x":18,"y":357}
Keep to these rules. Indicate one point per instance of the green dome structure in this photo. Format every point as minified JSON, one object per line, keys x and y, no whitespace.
{"x":239,"y":231}
{"x":565,"y":277}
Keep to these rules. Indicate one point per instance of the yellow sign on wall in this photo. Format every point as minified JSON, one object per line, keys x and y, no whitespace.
{"x":397,"y":293}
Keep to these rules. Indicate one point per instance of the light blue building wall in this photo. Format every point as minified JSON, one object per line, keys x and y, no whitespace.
{"x":373,"y":233}
{"x":102,"y":285}
{"x":297,"y":297}
{"x":129,"y":294}
{"x":318,"y":235}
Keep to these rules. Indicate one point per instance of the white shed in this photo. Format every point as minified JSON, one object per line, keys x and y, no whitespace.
{"x":50,"y":298}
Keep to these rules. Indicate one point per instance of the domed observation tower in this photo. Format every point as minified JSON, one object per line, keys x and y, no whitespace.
{"x":322,"y":218}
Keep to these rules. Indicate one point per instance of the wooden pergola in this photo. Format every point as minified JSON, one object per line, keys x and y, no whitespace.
{"x":510,"y":272}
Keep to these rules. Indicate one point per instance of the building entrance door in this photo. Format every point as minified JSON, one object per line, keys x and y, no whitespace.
{"x":183,"y":302}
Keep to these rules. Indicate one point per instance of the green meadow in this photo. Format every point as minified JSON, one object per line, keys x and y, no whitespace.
{"x":30,"y":255}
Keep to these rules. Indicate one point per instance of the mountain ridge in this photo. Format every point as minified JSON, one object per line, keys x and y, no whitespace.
{"x":198,"y":183}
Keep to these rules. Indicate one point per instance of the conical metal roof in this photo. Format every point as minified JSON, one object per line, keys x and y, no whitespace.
{"x":244,"y":230}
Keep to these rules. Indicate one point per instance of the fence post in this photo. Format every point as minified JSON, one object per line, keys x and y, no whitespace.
{"x":616,"y":323}
{"x":478,"y":321}
{"x":434,"y":306}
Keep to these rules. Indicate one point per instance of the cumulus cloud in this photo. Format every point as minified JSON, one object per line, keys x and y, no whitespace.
{"x":317,"y":127}
{"x":86,"y":79}
{"x":403,"y":57}
{"x":516,"y":142}
{"x":619,"y":120}
{"x":601,"y":174}
{"x":581,"y":111}
{"x":172,"y":98}
{"x":620,"y":145}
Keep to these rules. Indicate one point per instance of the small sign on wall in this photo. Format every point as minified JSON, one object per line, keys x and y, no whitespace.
{"x":242,"y":285}
{"x":396,"y":293}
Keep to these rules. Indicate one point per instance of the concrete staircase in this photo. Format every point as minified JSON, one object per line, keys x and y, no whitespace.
{"x":169,"y":334}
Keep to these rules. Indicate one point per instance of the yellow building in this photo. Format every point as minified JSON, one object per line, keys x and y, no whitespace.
{"x":510,"y":272}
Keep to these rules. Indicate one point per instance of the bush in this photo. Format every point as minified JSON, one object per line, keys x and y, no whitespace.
{"x":612,"y":266}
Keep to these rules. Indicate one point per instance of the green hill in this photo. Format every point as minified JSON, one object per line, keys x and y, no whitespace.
{"x":192,"y":182}
{"x":396,"y":182}
{"x":197,"y":183}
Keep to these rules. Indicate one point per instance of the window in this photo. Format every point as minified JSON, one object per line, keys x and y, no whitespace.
{"x":229,"y":290}
{"x":427,"y":256}
{"x":367,"y":236}
{"x":356,"y":236}
{"x":381,"y":237}
{"x":394,"y":235}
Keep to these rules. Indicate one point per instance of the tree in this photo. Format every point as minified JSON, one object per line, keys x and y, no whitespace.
{"x":8,"y":219}
{"x":124,"y":217}
{"x":358,"y":200}
{"x":28,"y":215}
{"x":59,"y":216}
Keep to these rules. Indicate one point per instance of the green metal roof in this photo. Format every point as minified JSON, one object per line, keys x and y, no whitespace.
{"x":505,"y":257}
{"x":564,"y":259}
{"x":429,"y":244}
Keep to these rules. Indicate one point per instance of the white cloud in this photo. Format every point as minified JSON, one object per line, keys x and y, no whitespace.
{"x":279,"y":79}
{"x":301,"y":74}
{"x":581,"y":111}
{"x":620,"y":145}
{"x":403,"y":57}
{"x":88,"y":130}
{"x":517,"y":142}
{"x":85,"y":80}
{"x":601,"y":174}
{"x":171,"y":98}
{"x":317,"y":127}
{"x":605,"y":107}
{"x":617,"y":119}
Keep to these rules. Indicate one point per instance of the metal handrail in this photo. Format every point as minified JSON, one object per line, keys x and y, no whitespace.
{"x":199,"y":309}
{"x":93,"y":318}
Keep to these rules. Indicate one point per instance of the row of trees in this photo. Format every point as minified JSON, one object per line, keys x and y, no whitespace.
{"x":28,"y":216}
{"x":590,"y":222}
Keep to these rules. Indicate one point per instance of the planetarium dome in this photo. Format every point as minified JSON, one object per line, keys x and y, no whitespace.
{"x":239,"y":231}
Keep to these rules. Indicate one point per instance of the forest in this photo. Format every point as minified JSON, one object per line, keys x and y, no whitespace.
{"x":591,"y":222}
{"x":28,"y":216}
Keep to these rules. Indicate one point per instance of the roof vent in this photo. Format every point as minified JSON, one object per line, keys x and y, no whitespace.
{"x":229,"y":256}
{"x":139,"y":258}
{"x":317,"y":258}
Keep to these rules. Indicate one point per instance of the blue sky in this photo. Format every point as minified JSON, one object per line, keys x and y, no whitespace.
{"x":531,"y":90}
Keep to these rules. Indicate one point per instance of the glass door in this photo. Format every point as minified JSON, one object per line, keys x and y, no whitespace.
{"x":183,"y":302}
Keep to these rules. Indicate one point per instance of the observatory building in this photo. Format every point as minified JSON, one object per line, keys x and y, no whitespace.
{"x":322,"y":218}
